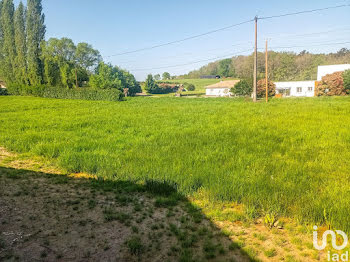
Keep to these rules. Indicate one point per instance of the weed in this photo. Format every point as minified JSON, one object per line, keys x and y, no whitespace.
{"x":135,"y":245}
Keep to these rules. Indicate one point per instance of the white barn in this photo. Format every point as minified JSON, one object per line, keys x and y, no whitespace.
{"x":220,"y":89}
{"x":296,"y":88}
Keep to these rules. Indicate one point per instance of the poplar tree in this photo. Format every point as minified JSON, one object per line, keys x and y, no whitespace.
{"x":8,"y":45}
{"x":35,"y":35}
{"x":1,"y":41}
{"x":20,"y":40}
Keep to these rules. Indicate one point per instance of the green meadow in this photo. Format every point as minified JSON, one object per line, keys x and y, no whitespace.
{"x":289,"y":157}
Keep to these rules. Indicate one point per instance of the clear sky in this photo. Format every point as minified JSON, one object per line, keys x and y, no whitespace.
{"x":114,"y":26}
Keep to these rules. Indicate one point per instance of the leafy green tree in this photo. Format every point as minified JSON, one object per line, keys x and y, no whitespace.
{"x":157,"y":77}
{"x":166,"y":76}
{"x":150,"y":84}
{"x":8,"y":46}
{"x":242,"y":88}
{"x":129,"y":81}
{"x":36,"y":29}
{"x":20,"y":40}
{"x":87,"y":57}
{"x":346,"y":79}
{"x":106,"y":77}
{"x":224,"y":67}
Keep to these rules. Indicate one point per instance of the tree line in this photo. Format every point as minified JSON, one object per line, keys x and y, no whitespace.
{"x":28,"y":61}
{"x":283,"y":66}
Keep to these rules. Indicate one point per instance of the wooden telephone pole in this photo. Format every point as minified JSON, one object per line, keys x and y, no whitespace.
{"x":266,"y":76}
{"x":255,"y":59}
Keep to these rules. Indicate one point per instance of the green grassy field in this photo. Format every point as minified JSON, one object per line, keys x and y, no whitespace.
{"x":289,"y":157}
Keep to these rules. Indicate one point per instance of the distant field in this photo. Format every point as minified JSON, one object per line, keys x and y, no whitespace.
{"x":290,"y":157}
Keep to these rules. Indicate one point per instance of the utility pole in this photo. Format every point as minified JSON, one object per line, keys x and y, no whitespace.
{"x":255,"y":58}
{"x":266,"y":68}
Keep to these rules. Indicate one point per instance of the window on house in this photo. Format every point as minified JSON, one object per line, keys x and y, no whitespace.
{"x":309,"y":89}
{"x":299,"y":89}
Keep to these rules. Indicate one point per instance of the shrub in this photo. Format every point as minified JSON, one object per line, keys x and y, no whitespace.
{"x":134,"y":245}
{"x":261,"y":88}
{"x":3,"y":92}
{"x":190,"y":87}
{"x":332,"y":85}
{"x":242,"y":88}
{"x":346,"y":79}
{"x":67,"y":93}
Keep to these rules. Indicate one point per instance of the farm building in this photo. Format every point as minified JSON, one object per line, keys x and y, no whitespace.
{"x":220,"y":89}
{"x":210,"y":77}
{"x":307,"y":88}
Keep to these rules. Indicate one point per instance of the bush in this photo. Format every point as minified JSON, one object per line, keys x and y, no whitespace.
{"x":346,"y":79}
{"x":261,"y":88}
{"x":242,"y":88}
{"x":332,"y":85}
{"x":190,"y":87}
{"x":3,"y":92}
{"x":67,"y":93}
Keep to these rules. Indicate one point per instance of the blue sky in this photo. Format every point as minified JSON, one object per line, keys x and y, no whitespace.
{"x":114,"y":26}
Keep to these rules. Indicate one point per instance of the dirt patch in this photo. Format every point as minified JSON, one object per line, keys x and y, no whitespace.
{"x":48,"y":216}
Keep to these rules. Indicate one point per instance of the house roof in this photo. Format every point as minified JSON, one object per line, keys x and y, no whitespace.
{"x":223,"y":84}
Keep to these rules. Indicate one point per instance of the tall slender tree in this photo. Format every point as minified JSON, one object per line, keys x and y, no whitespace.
{"x":8,"y":46}
{"x":20,"y":40}
{"x":35,"y":35}
{"x":1,"y":41}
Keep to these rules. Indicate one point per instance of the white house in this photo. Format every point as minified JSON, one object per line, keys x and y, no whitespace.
{"x":330,"y":69}
{"x":307,"y":88}
{"x":220,"y":89}
{"x":296,"y":88}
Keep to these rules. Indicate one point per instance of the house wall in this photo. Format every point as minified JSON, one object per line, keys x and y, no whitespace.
{"x":304,"y":85}
{"x":217,"y":92}
{"x":330,"y":69}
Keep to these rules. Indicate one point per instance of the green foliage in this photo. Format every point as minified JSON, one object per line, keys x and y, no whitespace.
{"x":346,"y":79}
{"x":166,"y":76}
{"x":190,"y":87}
{"x":150,"y":84}
{"x":135,"y":245}
{"x":157,"y":77}
{"x":224,"y":68}
{"x":35,"y":29}
{"x":21,"y":47}
{"x":64,"y":93}
{"x":242,"y":88}
{"x":3,"y":92}
{"x":8,"y":44}
{"x":283,"y":66}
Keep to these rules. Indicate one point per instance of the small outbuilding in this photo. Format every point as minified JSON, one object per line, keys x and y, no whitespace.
{"x":220,"y":89}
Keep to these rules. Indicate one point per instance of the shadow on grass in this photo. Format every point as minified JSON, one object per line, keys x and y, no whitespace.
{"x":58,"y":217}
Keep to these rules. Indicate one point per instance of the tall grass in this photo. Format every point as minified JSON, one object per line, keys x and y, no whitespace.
{"x":290,"y":157}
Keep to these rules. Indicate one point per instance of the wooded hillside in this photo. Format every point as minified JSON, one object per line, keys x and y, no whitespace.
{"x":283,"y":66}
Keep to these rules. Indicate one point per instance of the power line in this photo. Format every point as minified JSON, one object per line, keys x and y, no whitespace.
{"x":194,"y":62}
{"x":288,"y":47}
{"x":181,"y":40}
{"x":225,"y":28}
{"x":304,"y":12}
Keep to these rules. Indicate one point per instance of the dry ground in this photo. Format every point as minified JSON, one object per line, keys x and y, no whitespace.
{"x":48,"y":216}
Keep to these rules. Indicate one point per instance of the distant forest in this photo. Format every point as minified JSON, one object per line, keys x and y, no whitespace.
{"x":283,"y":66}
